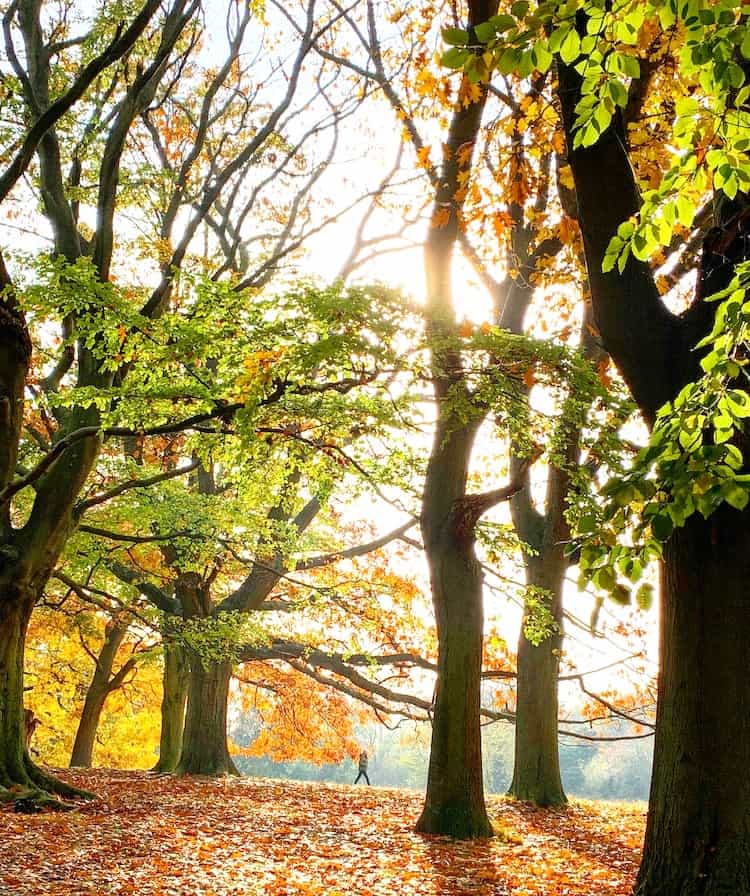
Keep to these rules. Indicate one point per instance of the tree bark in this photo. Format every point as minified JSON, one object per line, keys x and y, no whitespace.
{"x":19,"y":777}
{"x":698,"y":831}
{"x":536,"y":769}
{"x":454,"y":802}
{"x":83,"y":745}
{"x":204,"y":747}
{"x":99,"y":689}
{"x":15,"y":613}
{"x":173,"y":703}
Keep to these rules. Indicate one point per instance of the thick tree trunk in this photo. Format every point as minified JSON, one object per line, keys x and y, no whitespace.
{"x":454,"y":803}
{"x":536,"y":770}
{"x":14,"y":620}
{"x":698,"y":831}
{"x":204,"y":746}
{"x":173,"y":703}
{"x":19,"y":777}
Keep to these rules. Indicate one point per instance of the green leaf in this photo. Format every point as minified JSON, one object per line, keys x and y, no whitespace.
{"x":571,"y":47}
{"x":605,"y":578}
{"x":541,"y":57}
{"x":485,"y":32}
{"x":509,"y":60}
{"x":557,"y":37}
{"x":503,"y":23}
{"x":662,"y":526}
{"x":587,"y":524}
{"x":735,"y":495}
{"x":630,"y":66}
{"x":620,"y":594}
{"x":458,"y":37}
{"x":618,"y":93}
{"x":739,"y":402}
{"x":454,"y":58}
{"x":644,"y":596}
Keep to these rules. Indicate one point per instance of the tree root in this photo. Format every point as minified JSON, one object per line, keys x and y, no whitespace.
{"x":50,"y":784}
{"x":32,"y":790}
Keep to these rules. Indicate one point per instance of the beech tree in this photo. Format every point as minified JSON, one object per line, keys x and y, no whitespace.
{"x":489,"y":151}
{"x":103,"y":326}
{"x":32,"y":547}
{"x":696,"y":837}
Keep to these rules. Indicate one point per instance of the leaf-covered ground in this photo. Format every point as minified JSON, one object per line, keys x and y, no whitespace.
{"x":155,"y":836}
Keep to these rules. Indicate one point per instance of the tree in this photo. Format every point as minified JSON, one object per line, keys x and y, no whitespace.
{"x":696,"y":837}
{"x":78,"y":296}
{"x":104,"y":681}
{"x":527,"y":238}
{"x":30,"y":550}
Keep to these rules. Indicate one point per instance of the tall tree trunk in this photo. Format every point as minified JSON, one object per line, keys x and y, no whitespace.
{"x":454,"y":802}
{"x":18,"y":774}
{"x":88,"y":725}
{"x":204,"y":746}
{"x":698,"y":830}
{"x":536,"y":769}
{"x":99,"y":689}
{"x":173,"y":703}
{"x":15,"y":612}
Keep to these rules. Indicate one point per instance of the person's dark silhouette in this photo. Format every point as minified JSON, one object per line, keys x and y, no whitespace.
{"x":363,"y":760}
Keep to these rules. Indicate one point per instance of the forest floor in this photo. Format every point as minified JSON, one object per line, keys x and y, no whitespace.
{"x":157,"y":836}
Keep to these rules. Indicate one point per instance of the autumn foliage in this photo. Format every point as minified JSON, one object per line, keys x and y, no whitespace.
{"x":155,"y":836}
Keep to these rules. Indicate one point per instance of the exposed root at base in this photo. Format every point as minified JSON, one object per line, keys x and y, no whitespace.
{"x":45,"y":782}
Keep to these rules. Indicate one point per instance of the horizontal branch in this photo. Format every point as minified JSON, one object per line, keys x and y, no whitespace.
{"x":309,"y":660}
{"x":222,"y":412}
{"x":101,"y":498}
{"x":357,"y":551}
{"x":133,"y":539}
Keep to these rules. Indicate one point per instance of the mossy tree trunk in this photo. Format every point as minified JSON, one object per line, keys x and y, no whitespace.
{"x":536,"y":768}
{"x":698,"y":830}
{"x":204,"y":741}
{"x":174,"y":700}
{"x":204,"y":746}
{"x":454,"y":803}
{"x":14,"y":619}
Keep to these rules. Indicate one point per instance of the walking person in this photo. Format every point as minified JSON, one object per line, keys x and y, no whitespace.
{"x":363,"y":761}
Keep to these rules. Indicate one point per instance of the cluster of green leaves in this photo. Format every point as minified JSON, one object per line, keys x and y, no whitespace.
{"x":693,"y":462}
{"x":538,"y":621}
{"x":321,"y":378}
{"x":709,"y":38}
{"x":221,"y":345}
{"x":501,"y":367}
{"x":219,"y":637}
